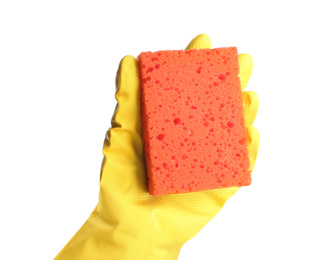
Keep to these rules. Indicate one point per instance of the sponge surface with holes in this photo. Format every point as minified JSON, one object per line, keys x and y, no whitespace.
{"x":193,"y":124}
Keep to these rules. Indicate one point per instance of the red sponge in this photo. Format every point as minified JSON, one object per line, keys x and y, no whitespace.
{"x":192,"y":120}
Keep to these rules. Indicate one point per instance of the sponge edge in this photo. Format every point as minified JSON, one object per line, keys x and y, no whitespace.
{"x":192,"y":120}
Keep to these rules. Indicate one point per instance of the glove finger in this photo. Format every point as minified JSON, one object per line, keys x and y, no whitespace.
{"x":245,"y":69}
{"x":253,"y":145}
{"x":127,"y":114}
{"x":201,"y":41}
{"x":123,"y":162}
{"x":250,"y":106}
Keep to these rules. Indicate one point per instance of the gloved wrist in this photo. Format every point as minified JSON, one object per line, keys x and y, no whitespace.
{"x":125,"y":247}
{"x":98,"y":239}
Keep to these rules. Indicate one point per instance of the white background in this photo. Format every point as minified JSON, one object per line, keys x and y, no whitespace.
{"x":58,"y":61}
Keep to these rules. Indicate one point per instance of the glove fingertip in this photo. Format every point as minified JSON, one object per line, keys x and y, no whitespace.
{"x":201,"y":41}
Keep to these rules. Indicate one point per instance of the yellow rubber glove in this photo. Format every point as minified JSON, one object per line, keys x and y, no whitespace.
{"x":128,"y":223}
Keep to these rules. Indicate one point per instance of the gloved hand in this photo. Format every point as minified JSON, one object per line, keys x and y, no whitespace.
{"x":128,"y":223}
